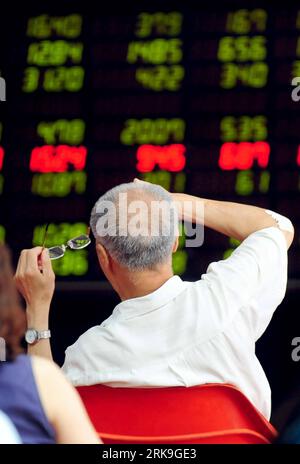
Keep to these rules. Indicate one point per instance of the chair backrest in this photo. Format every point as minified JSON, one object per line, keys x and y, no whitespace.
{"x":210,"y":413}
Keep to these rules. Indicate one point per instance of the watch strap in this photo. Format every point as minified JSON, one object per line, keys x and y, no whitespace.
{"x":44,"y":334}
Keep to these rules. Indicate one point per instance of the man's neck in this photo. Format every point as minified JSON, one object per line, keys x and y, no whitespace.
{"x":137,"y":284}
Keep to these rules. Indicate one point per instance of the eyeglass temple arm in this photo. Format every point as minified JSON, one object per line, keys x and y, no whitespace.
{"x":45,"y":236}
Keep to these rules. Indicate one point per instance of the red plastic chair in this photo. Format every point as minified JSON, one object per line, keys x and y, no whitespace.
{"x":211,"y":413}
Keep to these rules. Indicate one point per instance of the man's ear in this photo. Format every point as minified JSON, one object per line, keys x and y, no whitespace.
{"x":175,"y":246}
{"x":103,"y":257}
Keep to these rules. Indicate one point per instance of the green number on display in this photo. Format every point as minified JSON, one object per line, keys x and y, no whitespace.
{"x":63,"y":78}
{"x":45,"y":26}
{"x":245,"y":182}
{"x":54,"y":79}
{"x":243,"y":128}
{"x":62,"y":131}
{"x":157,"y":131}
{"x":160,"y":78}
{"x":157,"y":51}
{"x":59,"y":184}
{"x":243,"y":48}
{"x":160,"y":23}
{"x":242,"y":21}
{"x":250,"y":75}
{"x":54,"y":53}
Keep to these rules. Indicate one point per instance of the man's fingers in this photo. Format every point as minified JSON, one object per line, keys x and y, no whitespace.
{"x":46,"y":262}
{"x":34,"y":277}
{"x":32,"y":258}
{"x":21,"y":267}
{"x":20,"y":272}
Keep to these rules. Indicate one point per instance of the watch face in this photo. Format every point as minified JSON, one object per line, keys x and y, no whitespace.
{"x":31,"y":336}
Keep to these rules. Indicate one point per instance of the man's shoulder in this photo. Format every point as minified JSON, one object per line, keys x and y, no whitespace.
{"x":193,"y":289}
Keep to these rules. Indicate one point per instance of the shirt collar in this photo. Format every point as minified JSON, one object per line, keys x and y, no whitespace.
{"x":144,"y":304}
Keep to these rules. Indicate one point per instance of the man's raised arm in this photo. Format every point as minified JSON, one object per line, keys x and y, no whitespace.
{"x":234,"y":219}
{"x":35,"y":280}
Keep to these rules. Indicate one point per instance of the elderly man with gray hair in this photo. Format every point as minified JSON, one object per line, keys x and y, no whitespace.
{"x":166,"y":331}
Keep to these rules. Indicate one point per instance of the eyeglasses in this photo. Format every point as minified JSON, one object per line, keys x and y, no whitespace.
{"x":76,"y":243}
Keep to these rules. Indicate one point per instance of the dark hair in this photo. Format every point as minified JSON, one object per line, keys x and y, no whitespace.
{"x":12,"y":317}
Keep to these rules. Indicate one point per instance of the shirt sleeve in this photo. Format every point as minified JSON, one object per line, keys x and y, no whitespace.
{"x":253,"y":279}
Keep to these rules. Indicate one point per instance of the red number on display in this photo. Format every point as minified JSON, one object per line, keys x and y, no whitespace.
{"x":60,"y":158}
{"x":298,"y":156}
{"x":1,"y":157}
{"x":242,"y":155}
{"x":169,"y":157}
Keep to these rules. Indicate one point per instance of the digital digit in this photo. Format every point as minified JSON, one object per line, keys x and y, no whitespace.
{"x":244,"y":183}
{"x":30,"y":79}
{"x":1,"y":157}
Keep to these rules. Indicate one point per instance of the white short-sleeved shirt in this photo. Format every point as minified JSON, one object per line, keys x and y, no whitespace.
{"x":192,"y":333}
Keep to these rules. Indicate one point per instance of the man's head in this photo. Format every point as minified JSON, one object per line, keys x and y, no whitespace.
{"x":136,"y":228}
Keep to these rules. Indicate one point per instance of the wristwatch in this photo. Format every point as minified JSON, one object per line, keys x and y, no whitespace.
{"x":32,"y":336}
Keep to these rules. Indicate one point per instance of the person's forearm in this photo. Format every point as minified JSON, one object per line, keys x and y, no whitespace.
{"x":38,"y":319}
{"x":231,"y":219}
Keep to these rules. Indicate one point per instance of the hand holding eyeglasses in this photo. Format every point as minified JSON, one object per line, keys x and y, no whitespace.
{"x":35,"y":277}
{"x":36,"y":287}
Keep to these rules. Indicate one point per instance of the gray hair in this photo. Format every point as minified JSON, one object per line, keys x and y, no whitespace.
{"x":143,"y":250}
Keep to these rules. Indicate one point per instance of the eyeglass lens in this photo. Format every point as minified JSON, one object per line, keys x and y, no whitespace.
{"x":79,"y":242}
{"x":56,"y":252}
